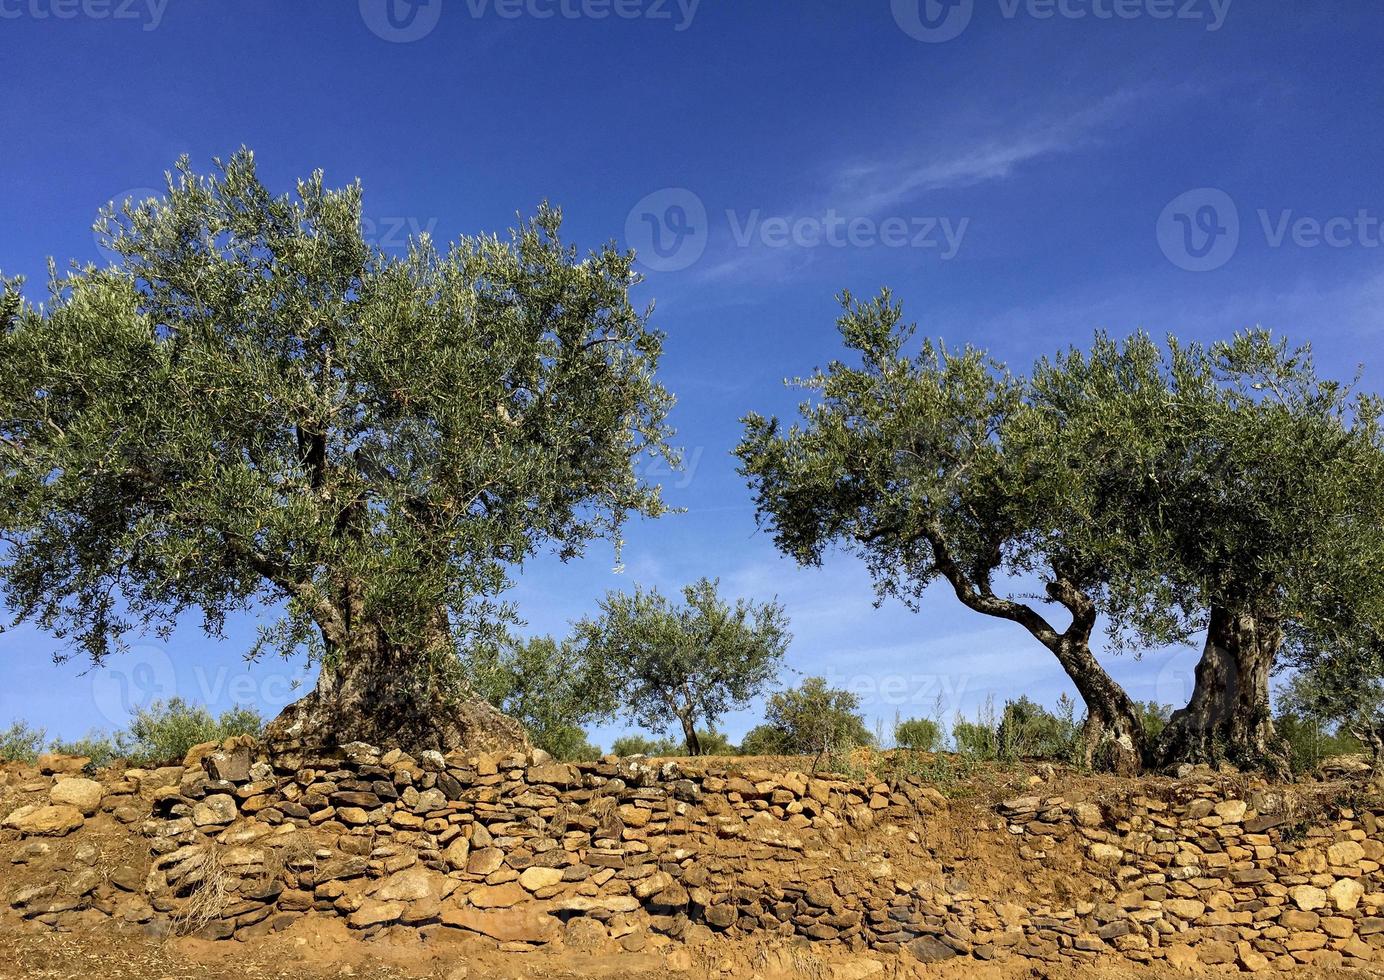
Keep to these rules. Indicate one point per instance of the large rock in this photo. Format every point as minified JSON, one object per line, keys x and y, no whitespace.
{"x":215,"y":810}
{"x":407,"y":886}
{"x":926,"y":949}
{"x":45,"y":821}
{"x":76,"y":791}
{"x":498,"y":896}
{"x":515,"y":925}
{"x":375,"y":913}
{"x":53,"y":762}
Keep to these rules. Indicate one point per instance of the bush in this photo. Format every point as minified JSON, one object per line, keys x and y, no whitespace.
{"x":817,"y":720}
{"x":627,"y":745}
{"x":975,"y":740}
{"x":762,"y":740}
{"x":20,"y":743}
{"x":100,"y":748}
{"x":1310,"y":742}
{"x":918,"y":735}
{"x":567,"y":743}
{"x":165,"y":730}
{"x":1028,"y":731}
{"x":1155,"y":716}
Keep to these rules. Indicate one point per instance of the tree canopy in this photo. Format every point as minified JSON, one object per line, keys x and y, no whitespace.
{"x":685,"y":664}
{"x":1169,"y":488}
{"x":255,"y":406}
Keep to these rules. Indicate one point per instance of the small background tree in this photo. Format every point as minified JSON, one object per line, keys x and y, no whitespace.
{"x":685,"y":664}
{"x":817,"y":720}
{"x":918,"y":735}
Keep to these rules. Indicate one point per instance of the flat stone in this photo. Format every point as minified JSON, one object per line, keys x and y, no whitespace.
{"x":412,"y":885}
{"x":536,"y":878}
{"x":219,"y":808}
{"x":1345,"y":894}
{"x":45,"y":821}
{"x":514,"y":925}
{"x":926,"y":949}
{"x":498,"y":896}
{"x":84,"y":794}
{"x":485,"y":861}
{"x":374,"y":913}
{"x":1307,"y":897}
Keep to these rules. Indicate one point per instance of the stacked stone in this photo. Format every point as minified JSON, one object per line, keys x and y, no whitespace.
{"x":1202,"y":877}
{"x":513,"y":847}
{"x":79,"y":891}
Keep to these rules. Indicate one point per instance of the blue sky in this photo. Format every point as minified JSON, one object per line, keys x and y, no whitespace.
{"x":1021,"y":172}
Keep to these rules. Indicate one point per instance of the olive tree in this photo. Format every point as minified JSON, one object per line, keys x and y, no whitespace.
{"x":1172,"y":489}
{"x":934,"y":467}
{"x":255,"y":407}
{"x":687,"y":663}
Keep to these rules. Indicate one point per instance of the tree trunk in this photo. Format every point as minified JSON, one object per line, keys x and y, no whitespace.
{"x":689,"y":735}
{"x":1114,"y":739}
{"x":381,"y":695}
{"x":1228,"y":717}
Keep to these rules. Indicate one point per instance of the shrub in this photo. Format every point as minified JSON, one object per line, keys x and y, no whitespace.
{"x":165,"y":730}
{"x":975,"y":740}
{"x":1028,"y":730}
{"x":20,"y":743}
{"x":1155,"y":717}
{"x":918,"y":735}
{"x":100,"y":748}
{"x":1310,"y":742}
{"x":818,"y":720}
{"x":762,"y":740}
{"x":567,"y":743}
{"x":627,"y":745}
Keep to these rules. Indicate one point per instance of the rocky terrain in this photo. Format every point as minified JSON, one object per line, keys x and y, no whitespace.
{"x":377,"y":863}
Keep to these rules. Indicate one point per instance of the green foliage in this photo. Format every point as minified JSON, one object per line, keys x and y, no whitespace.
{"x":685,"y":664}
{"x":627,"y":745}
{"x":817,"y":720}
{"x":712,"y":743}
{"x":763,"y":740}
{"x":1152,"y":484}
{"x":162,"y":732}
{"x":1027,"y":730}
{"x":256,"y":405}
{"x":975,"y":740}
{"x":1155,"y":717}
{"x":1310,"y":742}
{"x":102,"y":749}
{"x":553,"y":688}
{"x":918,"y":735}
{"x":20,"y":743}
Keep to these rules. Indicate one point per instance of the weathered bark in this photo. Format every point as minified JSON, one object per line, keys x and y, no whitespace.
{"x":1228,"y":718}
{"x":376,"y":694}
{"x":689,"y":735}
{"x":1114,"y":738}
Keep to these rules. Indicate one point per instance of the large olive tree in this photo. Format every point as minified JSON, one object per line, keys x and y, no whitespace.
{"x":1172,"y":490}
{"x":255,"y":406}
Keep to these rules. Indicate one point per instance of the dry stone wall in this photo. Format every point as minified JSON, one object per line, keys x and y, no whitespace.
{"x":525,"y":852}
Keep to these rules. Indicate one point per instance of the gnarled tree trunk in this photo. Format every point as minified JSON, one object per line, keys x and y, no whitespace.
{"x":1228,"y":717}
{"x":1114,"y":734}
{"x":375,"y":693}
